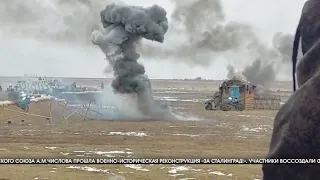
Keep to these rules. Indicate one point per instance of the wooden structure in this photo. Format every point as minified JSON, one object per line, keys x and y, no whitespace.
{"x":83,"y":110}
{"x":248,"y":94}
{"x":267,"y":101}
{"x":88,"y":105}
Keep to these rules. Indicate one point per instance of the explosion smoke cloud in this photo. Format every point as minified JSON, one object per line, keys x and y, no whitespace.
{"x":262,"y":72}
{"x":201,"y":26}
{"x":123,"y":27}
{"x":73,"y":20}
{"x":209,"y":35}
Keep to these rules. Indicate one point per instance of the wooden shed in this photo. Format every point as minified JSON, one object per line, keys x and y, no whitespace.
{"x":238,"y":89}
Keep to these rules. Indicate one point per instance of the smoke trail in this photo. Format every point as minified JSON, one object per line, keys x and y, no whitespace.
{"x":123,"y":27}
{"x":231,"y":71}
{"x":256,"y":73}
{"x":259,"y":75}
{"x":283,"y":44}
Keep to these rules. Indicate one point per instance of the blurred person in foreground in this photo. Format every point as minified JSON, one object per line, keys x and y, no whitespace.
{"x":296,"y":130}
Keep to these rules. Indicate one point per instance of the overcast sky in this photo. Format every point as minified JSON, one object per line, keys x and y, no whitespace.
{"x":24,"y":55}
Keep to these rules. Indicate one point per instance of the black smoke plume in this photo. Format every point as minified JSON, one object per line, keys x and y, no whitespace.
{"x":123,"y":27}
{"x":262,"y":72}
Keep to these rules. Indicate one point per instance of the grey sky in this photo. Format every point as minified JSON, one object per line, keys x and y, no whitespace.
{"x":23,"y":55}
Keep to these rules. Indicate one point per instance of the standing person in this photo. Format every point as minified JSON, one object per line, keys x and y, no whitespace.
{"x":10,"y":88}
{"x":16,"y":87}
{"x":102,"y":85}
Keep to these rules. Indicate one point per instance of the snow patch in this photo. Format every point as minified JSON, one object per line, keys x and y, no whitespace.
{"x":219,"y":173}
{"x":136,"y":167}
{"x":51,"y":148}
{"x":138,"y":134}
{"x":86,"y":168}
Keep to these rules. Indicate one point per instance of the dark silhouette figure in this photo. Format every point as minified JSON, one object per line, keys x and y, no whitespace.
{"x":296,"y":130}
{"x":309,"y":31}
{"x":102,"y":85}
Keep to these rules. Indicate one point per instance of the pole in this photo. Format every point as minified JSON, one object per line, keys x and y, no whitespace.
{"x":88,"y":108}
{"x":50,"y":110}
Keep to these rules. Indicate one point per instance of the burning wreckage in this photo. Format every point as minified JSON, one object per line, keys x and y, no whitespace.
{"x":239,"y":94}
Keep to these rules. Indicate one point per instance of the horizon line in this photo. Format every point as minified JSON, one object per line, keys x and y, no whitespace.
{"x":70,"y":77}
